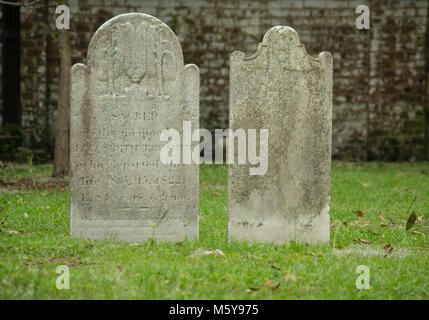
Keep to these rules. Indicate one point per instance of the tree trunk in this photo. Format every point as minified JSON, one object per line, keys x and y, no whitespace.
{"x":61,"y":156}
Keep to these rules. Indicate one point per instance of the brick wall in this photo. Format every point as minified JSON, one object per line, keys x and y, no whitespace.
{"x":380,"y":74}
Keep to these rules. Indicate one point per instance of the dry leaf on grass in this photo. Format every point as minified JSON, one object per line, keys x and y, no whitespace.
{"x":273,"y":286}
{"x":267,"y":283}
{"x":361,"y":240}
{"x":411,"y":220}
{"x":388,"y":248}
{"x":134,"y":244}
{"x":347,"y":221}
{"x":275,"y":268}
{"x":359,"y":214}
{"x":207,"y":252}
{"x":289,"y":277}
{"x":276,"y":287}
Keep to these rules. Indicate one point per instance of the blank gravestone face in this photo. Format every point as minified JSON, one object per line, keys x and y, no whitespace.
{"x":285,"y":90}
{"x":135,"y":86}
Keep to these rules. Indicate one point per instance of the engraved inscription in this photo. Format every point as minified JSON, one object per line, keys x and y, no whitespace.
{"x":135,"y":86}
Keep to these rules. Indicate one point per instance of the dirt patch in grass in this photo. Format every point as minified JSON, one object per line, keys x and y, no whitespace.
{"x":54,"y":184}
{"x":73,"y":262}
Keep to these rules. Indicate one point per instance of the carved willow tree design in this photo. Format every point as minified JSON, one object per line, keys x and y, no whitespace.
{"x":145,"y":55}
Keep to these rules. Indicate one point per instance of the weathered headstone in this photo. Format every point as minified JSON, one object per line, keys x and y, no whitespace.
{"x":285,"y":90}
{"x":135,"y":86}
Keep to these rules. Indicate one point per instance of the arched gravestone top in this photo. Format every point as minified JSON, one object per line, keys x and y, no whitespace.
{"x":283,"y":49}
{"x":287,"y":91}
{"x":122,"y":52}
{"x":135,"y":86}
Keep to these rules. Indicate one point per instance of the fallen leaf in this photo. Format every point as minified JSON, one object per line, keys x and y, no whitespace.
{"x":366,"y":185}
{"x":13,"y":232}
{"x":167,"y":281}
{"x":267,"y":283}
{"x":219,"y":253}
{"x":275,"y":268}
{"x":361,"y":240}
{"x":420,"y":219}
{"x":388,"y":248}
{"x":252,"y":289}
{"x":411,"y":220}
{"x":134,"y":244}
{"x":289,"y":277}
{"x":347,"y":221}
{"x":276,"y":287}
{"x":417,"y":232}
{"x":25,"y":215}
{"x":207,"y":252}
{"x":359,"y":214}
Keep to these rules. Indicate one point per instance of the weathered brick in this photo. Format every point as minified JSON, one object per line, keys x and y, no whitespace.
{"x":379,"y":74}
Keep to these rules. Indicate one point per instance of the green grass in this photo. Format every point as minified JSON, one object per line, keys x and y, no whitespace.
{"x":34,"y":240}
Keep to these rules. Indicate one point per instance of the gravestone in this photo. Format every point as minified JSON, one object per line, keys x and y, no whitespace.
{"x":285,"y":90}
{"x":134,"y":86}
